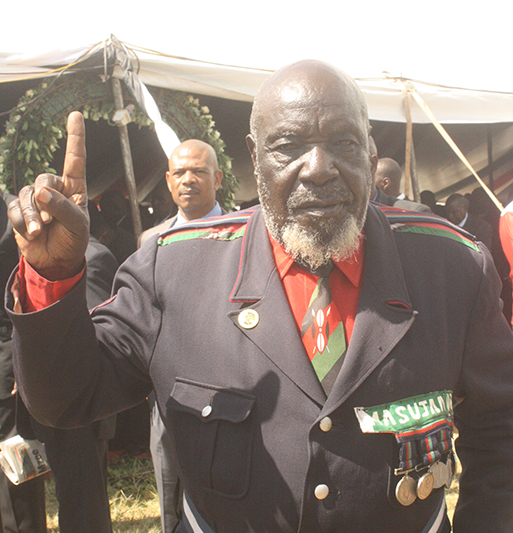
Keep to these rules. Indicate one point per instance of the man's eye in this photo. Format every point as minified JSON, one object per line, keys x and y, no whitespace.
{"x":285,"y":147}
{"x":344,"y":143}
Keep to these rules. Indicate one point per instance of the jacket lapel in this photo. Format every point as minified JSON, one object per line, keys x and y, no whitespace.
{"x":384,"y":310}
{"x":259,"y":287}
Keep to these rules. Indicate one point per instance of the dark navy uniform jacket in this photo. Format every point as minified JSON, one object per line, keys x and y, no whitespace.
{"x":429,"y":319}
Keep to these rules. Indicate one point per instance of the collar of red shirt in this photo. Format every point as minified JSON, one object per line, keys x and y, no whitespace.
{"x":351,"y":268}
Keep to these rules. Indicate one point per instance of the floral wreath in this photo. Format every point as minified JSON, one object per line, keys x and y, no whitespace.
{"x":36,"y":125}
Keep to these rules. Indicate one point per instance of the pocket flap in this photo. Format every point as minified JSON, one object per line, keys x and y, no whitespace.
{"x":209,"y":402}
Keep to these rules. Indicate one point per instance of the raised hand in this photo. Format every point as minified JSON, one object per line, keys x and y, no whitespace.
{"x":50,"y":217}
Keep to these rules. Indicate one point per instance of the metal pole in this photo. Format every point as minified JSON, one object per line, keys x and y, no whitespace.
{"x":410,"y":163}
{"x":490,"y":156}
{"x":127,"y":160}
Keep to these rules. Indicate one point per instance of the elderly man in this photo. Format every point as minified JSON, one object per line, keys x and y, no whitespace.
{"x":306,"y":355}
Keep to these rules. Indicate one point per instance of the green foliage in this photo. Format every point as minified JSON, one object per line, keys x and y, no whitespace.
{"x":38,"y":123}
{"x":27,"y":147}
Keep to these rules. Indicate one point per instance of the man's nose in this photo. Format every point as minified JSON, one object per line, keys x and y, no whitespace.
{"x":188,"y":177}
{"x":318,"y":166}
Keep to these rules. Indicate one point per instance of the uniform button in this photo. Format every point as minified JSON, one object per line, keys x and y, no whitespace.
{"x":206,"y":411}
{"x":321,"y":491}
{"x":326,"y":424}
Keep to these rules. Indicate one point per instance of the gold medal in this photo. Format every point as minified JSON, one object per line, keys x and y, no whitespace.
{"x":406,"y":491}
{"x":439,"y":471}
{"x":425,"y":485}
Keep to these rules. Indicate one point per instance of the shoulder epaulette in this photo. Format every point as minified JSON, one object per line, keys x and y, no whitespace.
{"x":427,"y":224}
{"x":223,"y":228}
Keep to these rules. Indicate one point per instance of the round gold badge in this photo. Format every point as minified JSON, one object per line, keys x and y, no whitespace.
{"x":248,"y":318}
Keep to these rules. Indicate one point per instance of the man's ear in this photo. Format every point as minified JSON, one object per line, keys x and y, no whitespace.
{"x":168,"y":180}
{"x":252,"y":148}
{"x":374,"y":163}
{"x":218,"y":175}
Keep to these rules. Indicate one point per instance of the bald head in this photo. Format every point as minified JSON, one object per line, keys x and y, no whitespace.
{"x":388,"y":177}
{"x":200,"y":147}
{"x":307,"y":81}
{"x":456,"y":208}
{"x":193,"y":178}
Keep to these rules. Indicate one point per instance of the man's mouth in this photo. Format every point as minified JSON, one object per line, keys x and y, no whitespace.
{"x":189,"y":192}
{"x":318,"y":207}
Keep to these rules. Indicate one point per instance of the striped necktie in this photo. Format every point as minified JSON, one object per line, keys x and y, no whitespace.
{"x":322,"y":331}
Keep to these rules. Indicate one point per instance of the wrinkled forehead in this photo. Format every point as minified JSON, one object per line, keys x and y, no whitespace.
{"x":318,"y":87}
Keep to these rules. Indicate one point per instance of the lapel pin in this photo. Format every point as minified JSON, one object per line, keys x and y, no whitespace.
{"x":248,"y":318}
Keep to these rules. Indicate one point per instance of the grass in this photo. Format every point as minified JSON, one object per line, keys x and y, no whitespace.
{"x":134,"y":504}
{"x":134,"y":500}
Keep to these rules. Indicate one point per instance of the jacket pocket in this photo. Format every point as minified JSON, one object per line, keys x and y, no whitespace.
{"x":213,"y":430}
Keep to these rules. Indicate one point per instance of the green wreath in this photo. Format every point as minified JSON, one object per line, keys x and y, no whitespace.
{"x":36,"y":125}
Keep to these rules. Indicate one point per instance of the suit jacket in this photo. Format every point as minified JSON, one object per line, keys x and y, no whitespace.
{"x":243,"y":406}
{"x":392,"y":201}
{"x":165,"y":225}
{"x":480,"y":229}
{"x":168,"y":223}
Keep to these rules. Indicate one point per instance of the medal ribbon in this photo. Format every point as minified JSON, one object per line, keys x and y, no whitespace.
{"x":424,"y":447}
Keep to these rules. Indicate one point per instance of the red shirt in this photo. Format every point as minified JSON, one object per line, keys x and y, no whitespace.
{"x":299,"y":284}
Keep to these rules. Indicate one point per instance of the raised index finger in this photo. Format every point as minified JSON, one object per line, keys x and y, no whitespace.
{"x":74,"y":173}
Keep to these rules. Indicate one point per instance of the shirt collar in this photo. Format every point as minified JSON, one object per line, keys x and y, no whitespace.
{"x":215,"y":212}
{"x":351,"y":268}
{"x":462,"y":223}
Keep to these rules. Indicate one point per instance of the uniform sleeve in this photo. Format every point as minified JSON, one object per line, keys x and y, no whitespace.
{"x":484,"y":418}
{"x":72,"y":367}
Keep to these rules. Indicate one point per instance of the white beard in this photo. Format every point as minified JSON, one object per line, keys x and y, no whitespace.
{"x":309,"y":248}
{"x":333,"y":240}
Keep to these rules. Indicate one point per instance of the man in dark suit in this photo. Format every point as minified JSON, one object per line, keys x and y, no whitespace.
{"x":456,"y":207}
{"x":379,"y":197}
{"x":22,"y":507}
{"x":278,"y":422}
{"x":78,"y":457}
{"x":193,"y":179}
{"x":388,"y":178}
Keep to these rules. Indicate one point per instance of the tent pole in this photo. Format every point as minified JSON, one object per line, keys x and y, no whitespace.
{"x":410,"y":162}
{"x":127,"y":160}
{"x":490,"y":156}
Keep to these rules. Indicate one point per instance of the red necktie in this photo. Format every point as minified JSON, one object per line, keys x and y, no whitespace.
{"x":322,"y":331}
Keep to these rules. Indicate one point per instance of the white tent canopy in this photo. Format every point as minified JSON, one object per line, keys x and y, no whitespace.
{"x":384,"y":94}
{"x":451,"y":106}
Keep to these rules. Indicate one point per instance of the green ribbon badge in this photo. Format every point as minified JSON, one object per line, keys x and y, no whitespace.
{"x":410,"y":414}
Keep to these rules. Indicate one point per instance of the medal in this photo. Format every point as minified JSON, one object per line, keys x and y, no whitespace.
{"x":425,"y":485}
{"x":439,"y":471}
{"x":406,"y":491}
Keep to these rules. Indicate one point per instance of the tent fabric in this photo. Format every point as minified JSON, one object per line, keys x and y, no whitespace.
{"x":384,"y":95}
